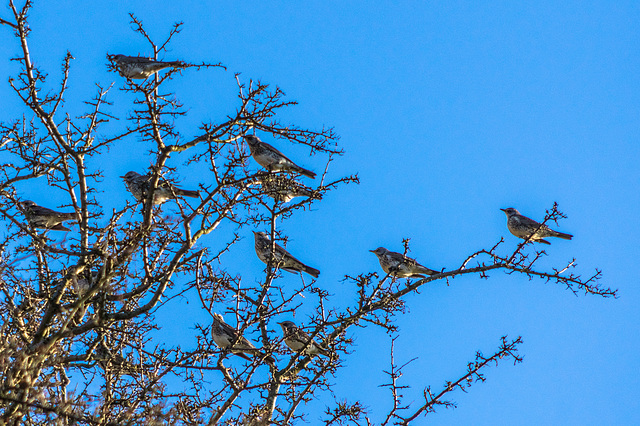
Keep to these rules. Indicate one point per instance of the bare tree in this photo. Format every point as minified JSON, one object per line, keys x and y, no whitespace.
{"x":80,"y":309}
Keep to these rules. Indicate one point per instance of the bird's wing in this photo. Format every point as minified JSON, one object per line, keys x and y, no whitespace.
{"x":399,"y":258}
{"x":274,"y":149}
{"x":240,"y":342}
{"x":39,"y":210}
{"x":136,"y":59}
{"x":529,"y":222}
{"x":229,"y":330}
{"x":301,"y":336}
{"x":243,"y":343}
{"x":287,"y":259}
{"x":162,"y":183}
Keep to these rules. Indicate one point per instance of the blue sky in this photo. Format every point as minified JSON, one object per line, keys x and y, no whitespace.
{"x":448,"y":111}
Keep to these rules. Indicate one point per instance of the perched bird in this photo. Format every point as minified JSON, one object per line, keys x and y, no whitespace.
{"x":42,"y":217}
{"x":227,"y":337}
{"x":523,"y":227}
{"x":400,"y":265}
{"x":140,"y":67}
{"x":284,"y":189}
{"x":139,"y":186}
{"x":77,"y":284}
{"x":115,"y":362}
{"x":297,"y":340}
{"x":282,"y":257}
{"x":83,"y":282}
{"x":272,"y":159}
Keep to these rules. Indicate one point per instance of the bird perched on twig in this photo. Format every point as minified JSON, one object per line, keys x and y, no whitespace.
{"x":284,"y":189}
{"x":115,"y":362}
{"x":227,"y":337}
{"x":282,"y":258}
{"x":272,"y":159}
{"x":139,"y":67}
{"x":523,"y":227}
{"x":42,"y":217}
{"x":296,"y":339}
{"x":139,"y":186}
{"x":77,"y":283}
{"x":399,"y":265}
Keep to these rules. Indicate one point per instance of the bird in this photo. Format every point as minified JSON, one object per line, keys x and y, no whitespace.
{"x":42,"y":217}
{"x":272,"y":159}
{"x":284,"y":260}
{"x":227,"y":337}
{"x":115,"y":362}
{"x":77,"y":284}
{"x":283,"y":189}
{"x":139,"y":67}
{"x":400,"y":265}
{"x":139,"y":184}
{"x":83,"y":282}
{"x":523,"y":227}
{"x":296,"y":339}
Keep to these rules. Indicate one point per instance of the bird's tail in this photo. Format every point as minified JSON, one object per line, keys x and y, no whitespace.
{"x":563,"y":235}
{"x":60,"y":227}
{"x":177,"y":64}
{"x":304,"y":192}
{"x":187,"y":193}
{"x":311,"y":271}
{"x":159,"y":66}
{"x":323,"y":351}
{"x":305,"y":172}
{"x":540,"y":240}
{"x":242,"y":355}
{"x":428,"y":271}
{"x":68,"y":216}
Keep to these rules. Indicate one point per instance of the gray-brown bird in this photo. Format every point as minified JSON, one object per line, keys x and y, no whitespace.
{"x":399,"y":265}
{"x":42,"y":217}
{"x":272,"y":159}
{"x":227,"y":337}
{"x":139,"y":186}
{"x":296,"y":339}
{"x":523,"y":227}
{"x":115,"y":362}
{"x":283,"y":259}
{"x":139,"y":67}
{"x":284,"y":189}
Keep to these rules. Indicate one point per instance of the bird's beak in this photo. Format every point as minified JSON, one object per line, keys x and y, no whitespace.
{"x":372,"y":251}
{"x":504,"y":210}
{"x":122,"y":177}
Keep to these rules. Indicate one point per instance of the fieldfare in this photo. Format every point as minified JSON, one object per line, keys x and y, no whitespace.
{"x":138,"y":185}
{"x":523,"y":227}
{"x":297,"y":340}
{"x":399,"y":265}
{"x":272,"y":159}
{"x":227,"y":337}
{"x":282,"y":258}
{"x":82,"y":283}
{"x":139,"y":67}
{"x":42,"y":217}
{"x":284,"y":189}
{"x":115,"y":362}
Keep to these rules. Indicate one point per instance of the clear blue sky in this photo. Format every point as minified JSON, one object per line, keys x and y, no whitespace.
{"x":448,"y":111}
